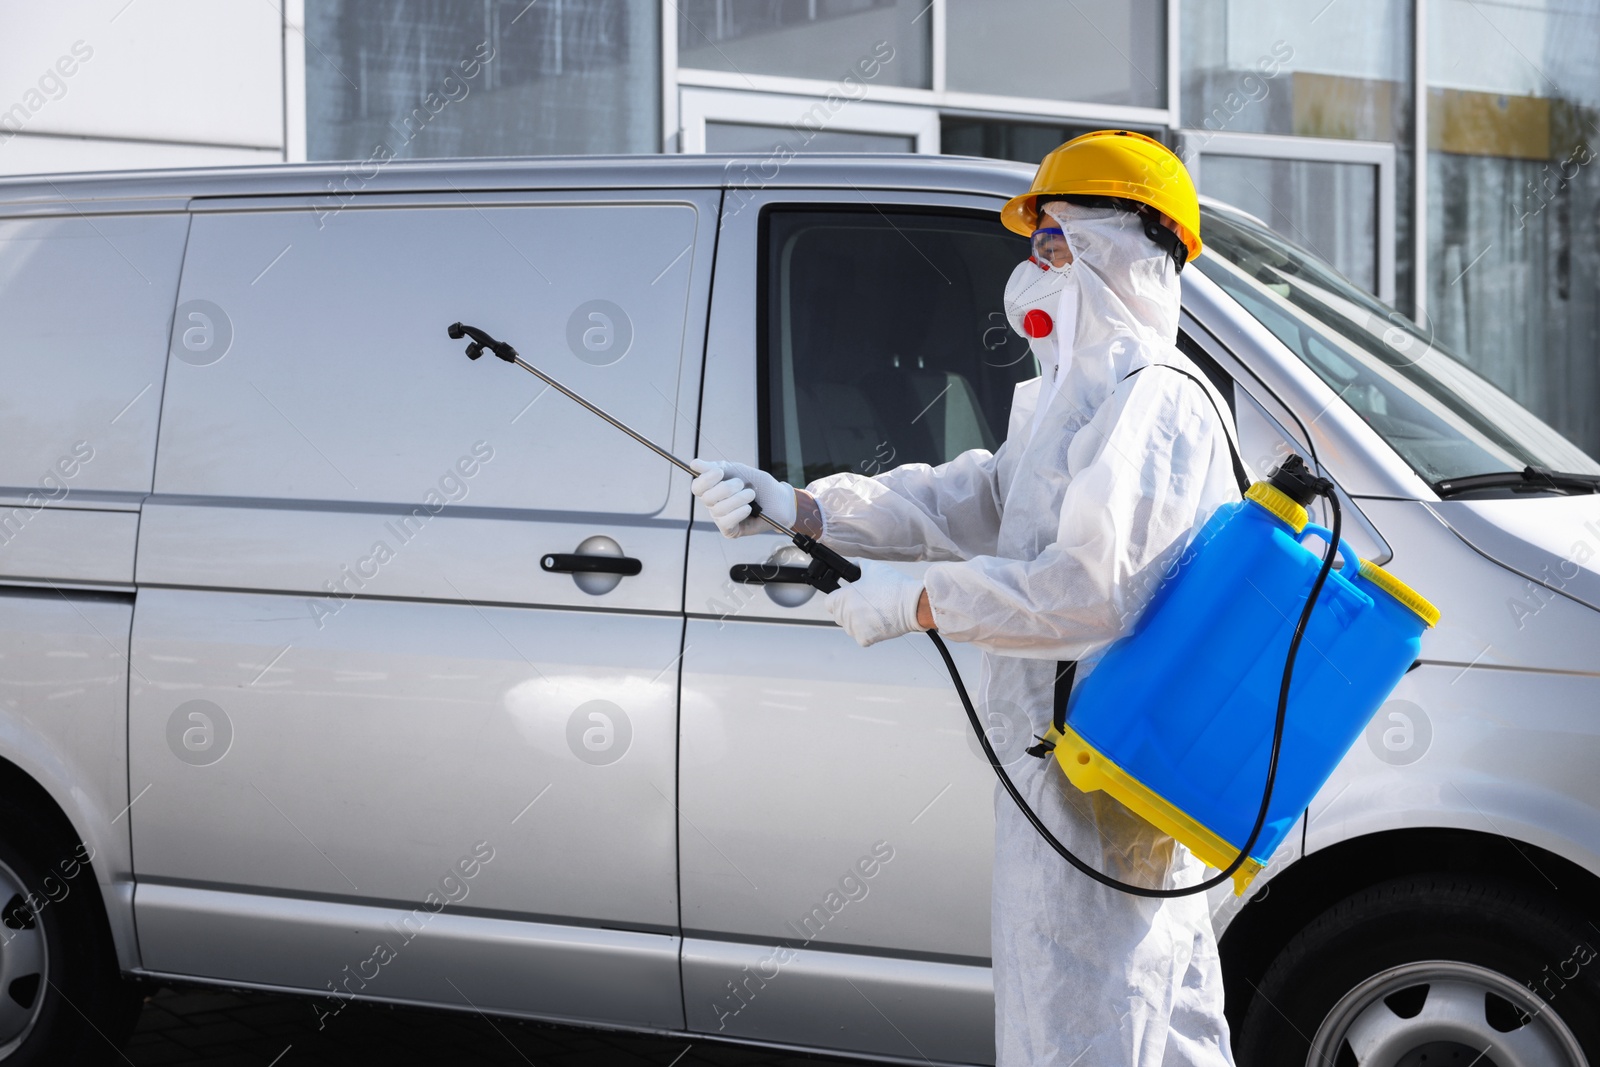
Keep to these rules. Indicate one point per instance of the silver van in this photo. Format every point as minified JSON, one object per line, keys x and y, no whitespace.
{"x":332,"y":662}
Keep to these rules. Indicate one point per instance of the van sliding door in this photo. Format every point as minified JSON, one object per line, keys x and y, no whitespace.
{"x":388,"y":741}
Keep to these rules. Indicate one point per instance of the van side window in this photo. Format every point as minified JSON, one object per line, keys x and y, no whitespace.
{"x":340,"y":383}
{"x":885,"y":339}
{"x":87,"y":305}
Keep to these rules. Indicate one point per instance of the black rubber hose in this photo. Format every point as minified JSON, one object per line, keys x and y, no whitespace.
{"x":1326,"y":488}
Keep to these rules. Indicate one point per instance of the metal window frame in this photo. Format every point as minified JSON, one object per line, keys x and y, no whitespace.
{"x":1419,"y":165}
{"x":293,"y":15}
{"x":935,"y":98}
{"x":1174,"y":65}
{"x":698,"y":105}
{"x":1109,"y":114}
{"x":1198,"y":144}
{"x":671,"y":127}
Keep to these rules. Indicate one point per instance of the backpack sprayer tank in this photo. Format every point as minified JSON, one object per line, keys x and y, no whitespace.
{"x":1176,"y":721}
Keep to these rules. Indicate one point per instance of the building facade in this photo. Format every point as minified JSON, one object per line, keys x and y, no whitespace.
{"x":1439,"y":152}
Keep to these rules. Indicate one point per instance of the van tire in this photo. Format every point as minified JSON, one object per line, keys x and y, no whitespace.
{"x":1398,"y":927}
{"x":77,"y":1008}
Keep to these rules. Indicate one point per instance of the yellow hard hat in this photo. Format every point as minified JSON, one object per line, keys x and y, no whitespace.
{"x":1113,"y":163}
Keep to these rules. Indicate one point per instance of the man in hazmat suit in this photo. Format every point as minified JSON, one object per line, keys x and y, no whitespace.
{"x":1046,"y":551}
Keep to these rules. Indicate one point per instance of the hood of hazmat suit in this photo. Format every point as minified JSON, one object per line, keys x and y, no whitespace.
{"x":1047,"y":550}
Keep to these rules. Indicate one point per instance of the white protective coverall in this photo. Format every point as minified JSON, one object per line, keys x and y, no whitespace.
{"x":1049,"y":549}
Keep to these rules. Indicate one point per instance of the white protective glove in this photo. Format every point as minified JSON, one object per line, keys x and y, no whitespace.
{"x":726,"y":489}
{"x":881,"y":604}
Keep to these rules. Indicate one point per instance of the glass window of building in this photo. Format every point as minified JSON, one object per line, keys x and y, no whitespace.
{"x":1340,"y":72}
{"x":751,"y":137}
{"x":1026,"y":142}
{"x":422,"y":78}
{"x":1254,"y":66}
{"x":845,"y":41}
{"x":1514,"y":200}
{"x":1331,"y":208}
{"x":1107,"y":52}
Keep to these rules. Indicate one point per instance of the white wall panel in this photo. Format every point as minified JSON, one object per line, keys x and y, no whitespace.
{"x":205,"y":71}
{"x":27,"y":154}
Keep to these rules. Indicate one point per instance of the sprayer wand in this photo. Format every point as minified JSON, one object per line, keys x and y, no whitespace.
{"x":827,"y":567}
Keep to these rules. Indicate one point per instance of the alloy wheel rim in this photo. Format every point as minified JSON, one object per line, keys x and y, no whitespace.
{"x":1454,"y":1010}
{"x":24,"y":963}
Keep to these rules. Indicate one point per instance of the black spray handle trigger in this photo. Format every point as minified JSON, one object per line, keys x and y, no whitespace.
{"x":827,"y":568}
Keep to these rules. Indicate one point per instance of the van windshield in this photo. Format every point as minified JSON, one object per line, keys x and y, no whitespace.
{"x":1443,"y":419}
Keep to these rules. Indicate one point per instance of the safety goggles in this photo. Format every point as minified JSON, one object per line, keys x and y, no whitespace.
{"x":1050,"y":248}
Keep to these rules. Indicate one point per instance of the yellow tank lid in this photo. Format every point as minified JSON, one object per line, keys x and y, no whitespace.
{"x":1400,"y":591}
{"x":1279,"y":503}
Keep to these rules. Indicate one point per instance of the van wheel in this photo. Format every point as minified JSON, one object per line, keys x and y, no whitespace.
{"x":1428,"y":972}
{"x":62,"y":999}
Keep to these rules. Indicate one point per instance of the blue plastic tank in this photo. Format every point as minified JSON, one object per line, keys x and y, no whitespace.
{"x":1176,"y":720}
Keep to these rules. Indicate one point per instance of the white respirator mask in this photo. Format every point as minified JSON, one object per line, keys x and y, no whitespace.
{"x":1035,"y":309}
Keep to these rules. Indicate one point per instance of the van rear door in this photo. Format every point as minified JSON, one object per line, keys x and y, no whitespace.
{"x":85,"y":301}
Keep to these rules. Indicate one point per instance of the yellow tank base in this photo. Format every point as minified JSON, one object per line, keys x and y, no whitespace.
{"x":1088,"y":769}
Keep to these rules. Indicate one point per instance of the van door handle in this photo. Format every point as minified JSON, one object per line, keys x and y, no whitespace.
{"x":767,"y":573}
{"x":583,"y":563}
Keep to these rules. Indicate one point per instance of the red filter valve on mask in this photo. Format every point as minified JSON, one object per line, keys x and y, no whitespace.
{"x":1036,"y":323}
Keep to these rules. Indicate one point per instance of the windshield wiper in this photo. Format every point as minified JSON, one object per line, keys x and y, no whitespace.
{"x":1530,"y":477}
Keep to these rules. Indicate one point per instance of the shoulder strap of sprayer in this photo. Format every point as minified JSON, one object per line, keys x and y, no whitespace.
{"x":1067,"y":670}
{"x":1240,"y":475}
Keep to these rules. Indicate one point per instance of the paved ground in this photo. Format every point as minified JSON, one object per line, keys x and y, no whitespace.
{"x":202,"y":1027}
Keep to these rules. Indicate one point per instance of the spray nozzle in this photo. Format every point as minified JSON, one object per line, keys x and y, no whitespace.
{"x":481,"y":341}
